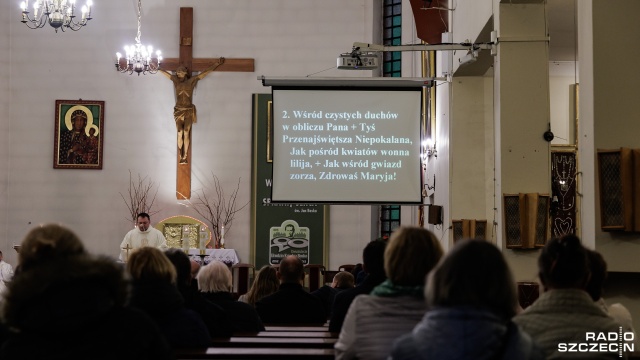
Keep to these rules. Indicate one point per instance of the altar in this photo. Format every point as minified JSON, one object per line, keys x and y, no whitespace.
{"x":227,"y":256}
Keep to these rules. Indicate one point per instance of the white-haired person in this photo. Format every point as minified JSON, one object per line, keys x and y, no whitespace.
{"x":215,"y":282}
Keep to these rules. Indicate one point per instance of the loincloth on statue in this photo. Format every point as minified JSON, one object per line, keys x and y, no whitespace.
{"x":180,"y":113}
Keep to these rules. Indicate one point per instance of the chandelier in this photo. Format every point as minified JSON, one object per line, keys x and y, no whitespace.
{"x":138,"y":58}
{"x":60,"y":14}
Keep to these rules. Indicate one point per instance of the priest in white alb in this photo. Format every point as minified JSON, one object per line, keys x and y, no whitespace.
{"x":143,"y":235}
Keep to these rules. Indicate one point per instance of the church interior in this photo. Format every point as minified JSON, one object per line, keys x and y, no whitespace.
{"x":560,"y":66}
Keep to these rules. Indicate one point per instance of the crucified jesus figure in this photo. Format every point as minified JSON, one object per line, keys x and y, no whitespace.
{"x":185,"y":112}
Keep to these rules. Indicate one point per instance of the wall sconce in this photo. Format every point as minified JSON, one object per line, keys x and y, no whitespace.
{"x":428,"y":149}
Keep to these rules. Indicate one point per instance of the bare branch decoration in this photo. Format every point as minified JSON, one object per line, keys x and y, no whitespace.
{"x":218,"y":210}
{"x":140,"y":197}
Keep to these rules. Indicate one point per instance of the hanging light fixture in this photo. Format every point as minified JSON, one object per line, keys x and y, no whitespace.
{"x":60,"y":14}
{"x":138,"y":58}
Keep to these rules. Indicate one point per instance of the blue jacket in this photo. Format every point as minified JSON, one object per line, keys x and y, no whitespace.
{"x":464,"y":333}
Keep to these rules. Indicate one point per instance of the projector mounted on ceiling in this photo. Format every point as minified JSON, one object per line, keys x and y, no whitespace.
{"x":356,"y":60}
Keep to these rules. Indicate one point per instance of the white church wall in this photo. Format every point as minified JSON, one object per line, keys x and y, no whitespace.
{"x":491,"y":196}
{"x":586,"y":148}
{"x":467,"y":146}
{"x":615,"y":113}
{"x":466,"y":23}
{"x":5,"y":99}
{"x":472,"y":153}
{"x":285,"y":37}
{"x":438,"y":169}
{"x":561,"y":76}
{"x":608,"y":110}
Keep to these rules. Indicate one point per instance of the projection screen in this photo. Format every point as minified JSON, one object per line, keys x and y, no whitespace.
{"x":346,"y":144}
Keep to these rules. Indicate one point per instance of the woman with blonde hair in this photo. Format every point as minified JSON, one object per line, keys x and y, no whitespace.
{"x":155,"y":292}
{"x":265,"y":283}
{"x":215,"y":282}
{"x":396,"y":305}
{"x":61,"y":294}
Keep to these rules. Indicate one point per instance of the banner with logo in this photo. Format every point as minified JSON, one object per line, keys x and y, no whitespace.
{"x":279,"y":230}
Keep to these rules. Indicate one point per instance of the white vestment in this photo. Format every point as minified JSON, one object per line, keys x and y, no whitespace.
{"x":6,"y":273}
{"x":137,"y":239}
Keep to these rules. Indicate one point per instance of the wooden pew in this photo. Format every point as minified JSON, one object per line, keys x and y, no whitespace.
{"x":328,"y":276}
{"x":295,"y":328}
{"x":278,"y":342}
{"x":242,"y":273}
{"x":236,"y":341}
{"x":289,"y":334}
{"x":256,"y":353}
{"x":314,"y":276}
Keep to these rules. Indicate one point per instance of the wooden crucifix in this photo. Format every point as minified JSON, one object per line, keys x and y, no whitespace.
{"x":185,"y":112}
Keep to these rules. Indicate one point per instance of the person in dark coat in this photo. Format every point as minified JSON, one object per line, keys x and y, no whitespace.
{"x":64,"y":303}
{"x":215,"y":283}
{"x":341,"y":281}
{"x":291,"y":304}
{"x":213,"y":315}
{"x":373,"y":264}
{"x":472,"y":298}
{"x":155,"y":292}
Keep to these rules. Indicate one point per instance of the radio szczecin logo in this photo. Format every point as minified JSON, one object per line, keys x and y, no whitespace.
{"x":601,"y":342}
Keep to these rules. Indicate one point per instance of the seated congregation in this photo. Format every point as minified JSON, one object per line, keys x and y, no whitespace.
{"x":413,"y":301}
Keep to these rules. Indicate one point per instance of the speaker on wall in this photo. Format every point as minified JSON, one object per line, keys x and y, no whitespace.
{"x":526,"y":219}
{"x":619,"y":174}
{"x":469,"y":229}
{"x":435,"y":215}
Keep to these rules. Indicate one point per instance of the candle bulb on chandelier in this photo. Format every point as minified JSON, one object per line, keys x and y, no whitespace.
{"x":140,"y":58}
{"x":59,"y":14}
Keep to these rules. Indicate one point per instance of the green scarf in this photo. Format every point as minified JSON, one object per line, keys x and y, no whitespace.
{"x":388,"y":289}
